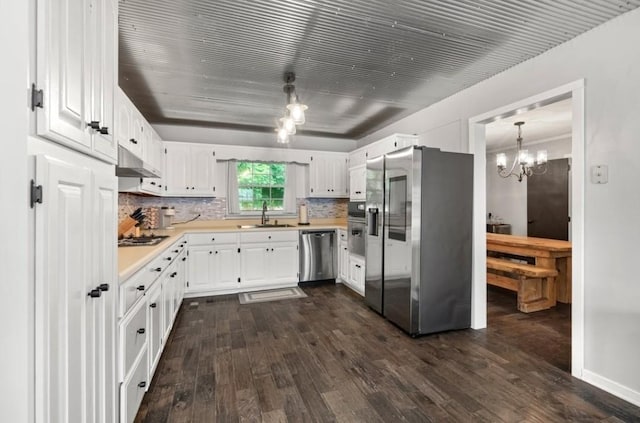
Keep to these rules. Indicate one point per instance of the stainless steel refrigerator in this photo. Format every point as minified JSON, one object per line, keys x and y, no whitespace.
{"x":418,"y":239}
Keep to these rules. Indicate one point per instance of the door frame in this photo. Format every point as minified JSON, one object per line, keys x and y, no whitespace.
{"x":478,"y":147}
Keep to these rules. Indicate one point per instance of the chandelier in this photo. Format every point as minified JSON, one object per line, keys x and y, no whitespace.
{"x":523,"y":163}
{"x":294,"y":111}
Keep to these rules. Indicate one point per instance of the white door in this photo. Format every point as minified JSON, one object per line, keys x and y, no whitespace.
{"x":63,"y":279}
{"x":63,"y":71}
{"x":103,"y":81}
{"x":177,"y":170}
{"x":283,"y":262}
{"x":226,"y":266}
{"x":254,"y":264}
{"x":104,"y":249}
{"x":200,"y":268}
{"x":203,"y":164}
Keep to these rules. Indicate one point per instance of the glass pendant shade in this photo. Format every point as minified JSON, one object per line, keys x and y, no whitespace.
{"x":501,"y":160}
{"x":542,"y":157}
{"x":283,"y":136}
{"x":522,"y":156}
{"x":296,"y":111}
{"x":288,"y":124}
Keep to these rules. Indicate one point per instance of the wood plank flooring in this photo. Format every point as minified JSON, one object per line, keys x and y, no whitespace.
{"x":329,"y":358}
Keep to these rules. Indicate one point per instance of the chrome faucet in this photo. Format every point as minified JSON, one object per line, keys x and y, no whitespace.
{"x":265,"y":218}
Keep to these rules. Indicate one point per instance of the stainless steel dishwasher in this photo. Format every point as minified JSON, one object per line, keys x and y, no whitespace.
{"x":317,"y":255}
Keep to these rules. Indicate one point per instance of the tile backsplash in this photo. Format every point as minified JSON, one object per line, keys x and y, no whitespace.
{"x":215,"y":208}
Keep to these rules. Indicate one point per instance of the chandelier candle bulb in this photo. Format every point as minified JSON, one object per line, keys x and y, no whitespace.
{"x":501,"y":160}
{"x":542,"y":157}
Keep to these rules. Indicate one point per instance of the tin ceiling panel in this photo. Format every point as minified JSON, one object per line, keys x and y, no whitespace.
{"x":360,"y":64}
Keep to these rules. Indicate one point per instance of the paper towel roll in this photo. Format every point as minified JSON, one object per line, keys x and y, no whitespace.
{"x":304,"y":214}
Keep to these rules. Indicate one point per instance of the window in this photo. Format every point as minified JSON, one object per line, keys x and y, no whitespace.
{"x":259,"y":182}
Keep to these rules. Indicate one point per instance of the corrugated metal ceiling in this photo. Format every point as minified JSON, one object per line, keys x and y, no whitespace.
{"x":360,"y":64}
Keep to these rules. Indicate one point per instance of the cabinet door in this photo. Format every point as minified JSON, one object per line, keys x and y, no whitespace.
{"x":200,"y":265}
{"x":338,"y":173}
{"x":154,"y":307}
{"x":167,"y":303}
{"x":177,"y":170}
{"x":103,"y":81}
{"x":63,"y":68}
{"x":254,"y":264}
{"x":343,"y":256}
{"x":358,"y":182}
{"x":283,"y":262}
{"x":203,"y":171}
{"x":226,"y":266}
{"x":103,"y":324}
{"x":317,"y":177}
{"x":124,"y":124}
{"x":63,"y":273}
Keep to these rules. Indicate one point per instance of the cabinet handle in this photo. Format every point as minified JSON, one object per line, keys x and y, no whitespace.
{"x":168,"y":258}
{"x":140,"y":287}
{"x":94,"y":124}
{"x":213,"y":239}
{"x":133,"y":141}
{"x":142,"y":384}
{"x":210,"y":252}
{"x":152,"y":183}
{"x":157,"y":269}
{"x":94,"y":293}
{"x":184,"y":258}
{"x":104,"y":130}
{"x":176,"y":251}
{"x":272,"y":249}
{"x":193,"y":188}
{"x":141,"y":331}
{"x":153,"y":305}
{"x":267,"y":249}
{"x":216,"y":252}
{"x":358,"y":266}
{"x":173,"y":275}
{"x":269,"y":236}
{"x":103,"y":287}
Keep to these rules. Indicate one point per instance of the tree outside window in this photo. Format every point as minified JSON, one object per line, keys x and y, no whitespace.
{"x":259,"y":182}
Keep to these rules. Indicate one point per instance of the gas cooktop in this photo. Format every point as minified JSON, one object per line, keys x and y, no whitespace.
{"x":141,"y":241}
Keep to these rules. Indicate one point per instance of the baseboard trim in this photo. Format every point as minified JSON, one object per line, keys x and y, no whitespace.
{"x":612,"y":387}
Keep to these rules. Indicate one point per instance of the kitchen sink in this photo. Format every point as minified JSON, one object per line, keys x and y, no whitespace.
{"x":266,"y":225}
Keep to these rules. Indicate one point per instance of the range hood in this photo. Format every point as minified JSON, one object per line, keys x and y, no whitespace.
{"x":131,"y":165}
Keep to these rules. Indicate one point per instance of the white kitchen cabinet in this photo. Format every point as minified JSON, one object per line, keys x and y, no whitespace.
{"x":358,"y":183}
{"x":356,"y":273}
{"x":154,"y":156}
{"x":76,"y":71}
{"x":328,"y":175}
{"x":154,"y":306}
{"x":167,"y":286}
{"x":268,"y":259}
{"x":76,"y":287}
{"x":190,"y":170}
{"x":343,"y":261}
{"x":213,"y":263}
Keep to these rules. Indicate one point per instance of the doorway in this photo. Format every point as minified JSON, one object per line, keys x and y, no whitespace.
{"x":477,"y":146}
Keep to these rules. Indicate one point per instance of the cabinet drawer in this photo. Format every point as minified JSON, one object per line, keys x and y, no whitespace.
{"x":134,"y":288}
{"x":133,"y":336}
{"x":275,"y":236}
{"x":213,"y":238}
{"x":133,"y":390}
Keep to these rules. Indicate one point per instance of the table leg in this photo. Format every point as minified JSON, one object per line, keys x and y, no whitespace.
{"x":563,"y":280}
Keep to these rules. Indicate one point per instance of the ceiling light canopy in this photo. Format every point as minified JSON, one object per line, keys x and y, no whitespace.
{"x":294,"y":111}
{"x":524,"y":164}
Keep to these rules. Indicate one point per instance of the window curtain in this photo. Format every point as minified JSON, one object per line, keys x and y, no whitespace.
{"x":233,"y":203}
{"x":290,"y":188}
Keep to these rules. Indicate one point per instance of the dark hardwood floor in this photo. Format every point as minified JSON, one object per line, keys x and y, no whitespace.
{"x":328,"y":357}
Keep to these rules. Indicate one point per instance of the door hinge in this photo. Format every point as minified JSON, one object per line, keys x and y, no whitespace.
{"x":37,"y":98}
{"x":36,"y":194}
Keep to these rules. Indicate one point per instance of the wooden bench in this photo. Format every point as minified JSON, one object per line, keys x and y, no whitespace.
{"x":536,"y":286}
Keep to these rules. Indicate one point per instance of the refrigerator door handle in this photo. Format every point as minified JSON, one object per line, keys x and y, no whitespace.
{"x":372,"y":221}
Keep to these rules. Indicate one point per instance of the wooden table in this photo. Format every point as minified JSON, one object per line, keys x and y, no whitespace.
{"x":549,"y":253}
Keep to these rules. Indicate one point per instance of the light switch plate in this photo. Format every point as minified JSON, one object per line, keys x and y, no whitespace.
{"x":599,"y":174}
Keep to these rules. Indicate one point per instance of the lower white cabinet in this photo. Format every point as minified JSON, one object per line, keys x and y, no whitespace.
{"x":268,"y":259}
{"x":343,"y":261}
{"x":214,"y":263}
{"x":151,"y":299}
{"x":76,"y":287}
{"x":356,"y":273}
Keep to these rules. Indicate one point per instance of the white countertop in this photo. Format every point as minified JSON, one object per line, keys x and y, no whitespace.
{"x":132,"y":259}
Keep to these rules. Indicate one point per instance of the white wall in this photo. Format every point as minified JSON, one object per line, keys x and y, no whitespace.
{"x":507,"y":198}
{"x":15,"y":320}
{"x":251,"y":139}
{"x":609,"y":60}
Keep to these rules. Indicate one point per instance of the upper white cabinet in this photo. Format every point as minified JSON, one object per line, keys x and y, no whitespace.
{"x":128,"y":124}
{"x":328,"y":175}
{"x":76,"y":71}
{"x":190,"y":170}
{"x":386,"y":145}
{"x":358,"y":183}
